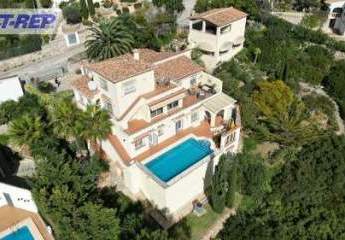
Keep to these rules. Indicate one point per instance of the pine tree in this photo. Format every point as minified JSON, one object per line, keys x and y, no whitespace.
{"x":83,"y":10}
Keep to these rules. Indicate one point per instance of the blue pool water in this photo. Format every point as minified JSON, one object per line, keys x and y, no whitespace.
{"x":179,"y":158}
{"x":22,"y":233}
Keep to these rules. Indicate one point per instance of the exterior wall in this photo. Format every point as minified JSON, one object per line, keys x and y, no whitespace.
{"x":144,"y":83}
{"x":10,"y":89}
{"x":172,"y":197}
{"x":168,"y":127}
{"x":216,"y":41}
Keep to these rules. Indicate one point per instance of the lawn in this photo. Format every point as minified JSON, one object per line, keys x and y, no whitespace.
{"x":199,"y":225}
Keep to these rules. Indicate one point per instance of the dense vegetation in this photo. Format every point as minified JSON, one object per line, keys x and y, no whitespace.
{"x":102,"y":45}
{"x":296,"y":189}
{"x":306,"y":200}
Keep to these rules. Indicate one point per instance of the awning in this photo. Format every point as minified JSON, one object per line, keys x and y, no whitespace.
{"x":219,"y":103}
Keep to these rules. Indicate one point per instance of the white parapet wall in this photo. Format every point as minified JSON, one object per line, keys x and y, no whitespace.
{"x":178,"y":193}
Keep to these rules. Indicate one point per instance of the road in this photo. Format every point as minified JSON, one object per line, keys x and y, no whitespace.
{"x":320,"y":91}
{"x":44,"y":65}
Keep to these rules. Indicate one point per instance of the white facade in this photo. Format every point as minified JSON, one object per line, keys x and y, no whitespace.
{"x":336,"y":18}
{"x":218,"y":42}
{"x":10,"y":89}
{"x":17,"y":197}
{"x":155,"y":110}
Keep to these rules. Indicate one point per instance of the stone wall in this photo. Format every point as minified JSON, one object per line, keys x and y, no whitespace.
{"x":53,"y":48}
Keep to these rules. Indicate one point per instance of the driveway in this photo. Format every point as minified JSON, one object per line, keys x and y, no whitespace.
{"x":48,"y":64}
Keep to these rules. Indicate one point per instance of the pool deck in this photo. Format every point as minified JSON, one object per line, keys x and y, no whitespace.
{"x":11,"y":218}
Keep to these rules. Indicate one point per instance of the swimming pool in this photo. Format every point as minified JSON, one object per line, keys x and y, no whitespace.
{"x":178,"y":159}
{"x":22,"y":233}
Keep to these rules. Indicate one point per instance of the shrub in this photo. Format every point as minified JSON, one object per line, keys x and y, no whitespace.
{"x":72,"y":14}
{"x":46,"y":87}
{"x":46,"y":3}
{"x":125,"y":10}
{"x":107,"y":3}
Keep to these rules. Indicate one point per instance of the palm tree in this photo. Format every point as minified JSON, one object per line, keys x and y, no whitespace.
{"x":97,"y":124}
{"x":64,"y":117}
{"x":26,"y":130}
{"x":109,"y":39}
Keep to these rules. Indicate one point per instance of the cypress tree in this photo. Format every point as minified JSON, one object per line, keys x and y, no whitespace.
{"x":230,"y":195}
{"x":219,"y":186}
{"x":285,"y":75}
{"x":91,"y":7}
{"x":83,"y":10}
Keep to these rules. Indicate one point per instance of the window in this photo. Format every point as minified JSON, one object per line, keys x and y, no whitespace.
{"x":156,"y":112}
{"x":103,"y":83}
{"x":108,"y":106}
{"x":139,"y":143}
{"x":197,"y":26}
{"x":178,"y":125}
{"x":72,"y":39}
{"x":172,"y":105}
{"x":193,"y":81}
{"x":128,"y":87}
{"x":195,"y":116}
{"x":225,"y":29}
{"x":206,"y":52}
{"x":230,"y":139}
{"x":236,"y":45}
{"x":160,"y":131}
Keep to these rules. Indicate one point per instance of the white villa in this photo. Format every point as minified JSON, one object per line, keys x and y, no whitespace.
{"x":171,"y":122}
{"x":218,"y":33}
{"x":336,"y":17}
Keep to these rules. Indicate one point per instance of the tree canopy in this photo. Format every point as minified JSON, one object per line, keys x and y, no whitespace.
{"x":306,"y":201}
{"x":110,"y":38}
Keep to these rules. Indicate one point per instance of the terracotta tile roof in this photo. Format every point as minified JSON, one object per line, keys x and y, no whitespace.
{"x":10,"y":216}
{"x":119,"y":68}
{"x":151,"y":56}
{"x":168,"y":97}
{"x":220,"y":16}
{"x":80,"y":83}
{"x":176,"y":68}
{"x":125,"y":66}
{"x":115,"y":142}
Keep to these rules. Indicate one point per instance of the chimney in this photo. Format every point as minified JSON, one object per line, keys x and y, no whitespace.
{"x":92,"y":85}
{"x":136,"y":54}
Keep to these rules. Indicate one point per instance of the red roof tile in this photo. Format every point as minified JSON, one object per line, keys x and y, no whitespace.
{"x":220,"y":16}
